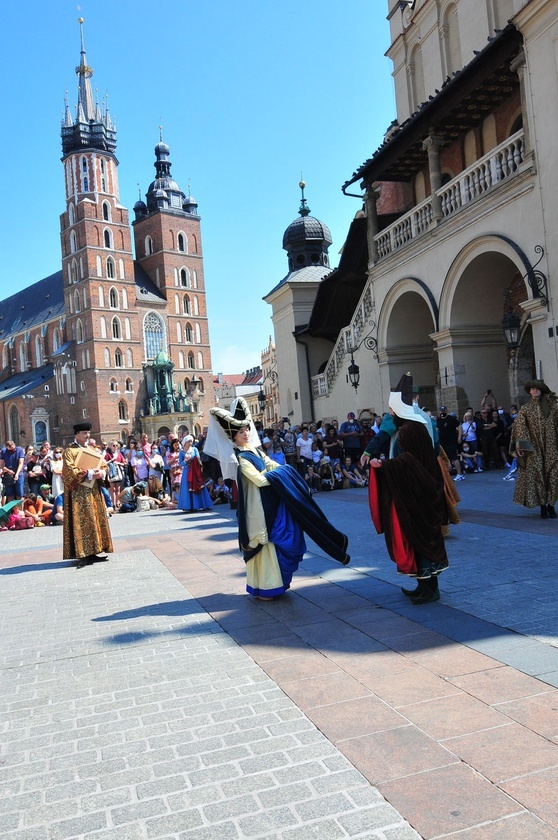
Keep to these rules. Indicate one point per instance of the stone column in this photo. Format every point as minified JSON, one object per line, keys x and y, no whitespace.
{"x":372,"y":227}
{"x":518,"y":66}
{"x":432,"y":144}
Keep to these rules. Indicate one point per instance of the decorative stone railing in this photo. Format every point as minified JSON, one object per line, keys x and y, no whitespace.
{"x":485,"y":174}
{"x":501,"y":163}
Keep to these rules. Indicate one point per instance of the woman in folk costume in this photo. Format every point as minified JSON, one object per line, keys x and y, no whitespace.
{"x":274,"y":505}
{"x":193,"y":493}
{"x":407,"y":499}
{"x":535,"y":442}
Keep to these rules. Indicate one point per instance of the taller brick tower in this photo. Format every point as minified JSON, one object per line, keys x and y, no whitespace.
{"x":104,"y":372}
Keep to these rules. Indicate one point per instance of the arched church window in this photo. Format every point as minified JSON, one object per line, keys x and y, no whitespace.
{"x":84,"y":165}
{"x":77,"y":301}
{"x":71,"y":214}
{"x":181,"y":359}
{"x":130,"y":357}
{"x":86,"y":184}
{"x":191,"y":362}
{"x":39,"y":351}
{"x":113,"y":385}
{"x":148,"y":246}
{"x":122,"y":410}
{"x":188,"y":334}
{"x":79,"y":331}
{"x":198,"y":334}
{"x":103,"y":325}
{"x":118,"y":361}
{"x":106,"y":211}
{"x":107,"y":357}
{"x":110,"y":268}
{"x":73,"y":245}
{"x":182,"y":242}
{"x":129,"y":385}
{"x":200,"y":361}
{"x":187,"y":307}
{"x":184,"y":277}
{"x":113,"y":298}
{"x":115,"y":328}
{"x":107,"y":236}
{"x":153,"y":333}
{"x":55,"y":340}
{"x":14,"y":424}
{"x":178,"y":333}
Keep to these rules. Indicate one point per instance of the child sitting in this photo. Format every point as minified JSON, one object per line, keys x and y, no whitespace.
{"x":311,"y":479}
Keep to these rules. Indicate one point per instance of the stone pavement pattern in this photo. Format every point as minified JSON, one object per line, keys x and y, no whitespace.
{"x":148,"y":697}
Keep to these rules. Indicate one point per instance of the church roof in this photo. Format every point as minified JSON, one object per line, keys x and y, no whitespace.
{"x":21,"y":383}
{"x":146,"y":290}
{"x":36,"y":304}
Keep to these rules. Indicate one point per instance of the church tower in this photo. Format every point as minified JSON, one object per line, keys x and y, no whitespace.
{"x":102,"y":367}
{"x":169,"y":250}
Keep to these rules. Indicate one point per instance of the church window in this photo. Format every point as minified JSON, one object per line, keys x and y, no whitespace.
{"x":79,"y":331}
{"x":113,"y":298}
{"x":38,"y":351}
{"x":107,"y":236}
{"x":84,"y":164}
{"x":22,"y":357}
{"x":106,"y":211}
{"x":182,"y":242}
{"x":71,"y":214}
{"x":121,"y":269}
{"x":103,"y":165}
{"x":184,"y":277}
{"x":200,"y":386}
{"x":113,"y":386}
{"x":175,"y":276}
{"x":55,"y":341}
{"x":103,"y":185}
{"x":177,"y":305}
{"x":73,"y":246}
{"x":122,"y":410}
{"x":200,"y":361}
{"x":77,"y":302}
{"x":127,"y":329}
{"x":198,"y":334}
{"x":14,"y":424}
{"x":110,"y":268}
{"x":4,"y":357}
{"x":148,"y":246}
{"x":196,"y":306}
{"x":188,"y":334}
{"x":98,"y":265}
{"x":186,"y":385}
{"x":130,"y":357}
{"x":178,"y":332}
{"x":115,"y":328}
{"x":195,"y":244}
{"x":81,"y":272}
{"x":186,"y":301}
{"x":86,"y":184}
{"x":124,"y":299}
{"x":88,"y":358}
{"x":103,"y":325}
{"x":129,"y":385}
{"x":153,"y":335}
{"x":107,"y":357}
{"x":195,"y":279}
{"x":83,"y":364}
{"x":191,"y":362}
{"x":181,"y":359}
{"x":118,"y":362}
{"x":73,"y":272}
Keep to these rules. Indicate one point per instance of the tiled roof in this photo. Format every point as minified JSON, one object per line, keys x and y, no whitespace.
{"x":310,"y":273}
{"x":21,"y":383}
{"x":34,"y":305}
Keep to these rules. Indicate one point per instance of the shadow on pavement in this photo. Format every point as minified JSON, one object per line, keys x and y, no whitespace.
{"x":37,"y":567}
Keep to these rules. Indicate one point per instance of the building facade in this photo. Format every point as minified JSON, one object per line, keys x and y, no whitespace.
{"x":119,"y":341}
{"x":448,"y":270}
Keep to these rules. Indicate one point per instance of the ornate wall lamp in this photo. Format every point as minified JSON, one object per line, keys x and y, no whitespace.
{"x":371,"y":343}
{"x":511,"y":322}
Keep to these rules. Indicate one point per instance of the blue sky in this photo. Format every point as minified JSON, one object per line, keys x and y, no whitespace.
{"x":249,"y":93}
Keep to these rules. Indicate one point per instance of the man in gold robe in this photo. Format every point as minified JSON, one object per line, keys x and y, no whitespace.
{"x":86,"y":528}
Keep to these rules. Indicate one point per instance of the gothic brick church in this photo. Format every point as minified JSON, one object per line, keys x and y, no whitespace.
{"x":118,"y":341}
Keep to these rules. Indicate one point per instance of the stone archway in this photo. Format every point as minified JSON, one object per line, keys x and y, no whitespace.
{"x":407,"y":343}
{"x":472,"y":352}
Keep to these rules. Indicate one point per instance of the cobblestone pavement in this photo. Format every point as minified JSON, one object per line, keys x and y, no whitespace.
{"x":148,"y":697}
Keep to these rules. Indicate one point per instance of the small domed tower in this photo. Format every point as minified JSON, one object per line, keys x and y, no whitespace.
{"x":307,"y":239}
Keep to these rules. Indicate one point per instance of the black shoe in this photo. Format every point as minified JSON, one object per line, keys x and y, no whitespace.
{"x":411,"y":593}
{"x":544,"y":512}
{"x":551,"y":512}
{"x":84,"y":561}
{"x":426,"y":597}
{"x":99,"y":558}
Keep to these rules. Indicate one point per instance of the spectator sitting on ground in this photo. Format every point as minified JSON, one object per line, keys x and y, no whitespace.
{"x":38,"y":509}
{"x":58,"y":515}
{"x":337,"y":476}
{"x":352,"y":475}
{"x":325,"y":473}
{"x":220,"y":494}
{"x":312,"y":479}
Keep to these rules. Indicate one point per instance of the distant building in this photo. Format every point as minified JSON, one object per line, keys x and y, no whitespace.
{"x":118,"y":341}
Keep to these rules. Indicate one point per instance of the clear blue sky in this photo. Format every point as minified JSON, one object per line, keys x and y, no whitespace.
{"x":250,"y":94}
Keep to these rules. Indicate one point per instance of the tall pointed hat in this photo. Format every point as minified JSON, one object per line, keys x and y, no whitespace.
{"x":401,"y":400}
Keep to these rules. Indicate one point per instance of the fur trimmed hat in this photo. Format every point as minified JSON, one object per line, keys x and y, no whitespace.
{"x":537,"y":383}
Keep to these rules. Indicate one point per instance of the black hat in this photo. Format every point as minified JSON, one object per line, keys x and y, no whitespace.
{"x":537,"y":383}
{"x":82,"y":427}
{"x":233,"y":423}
